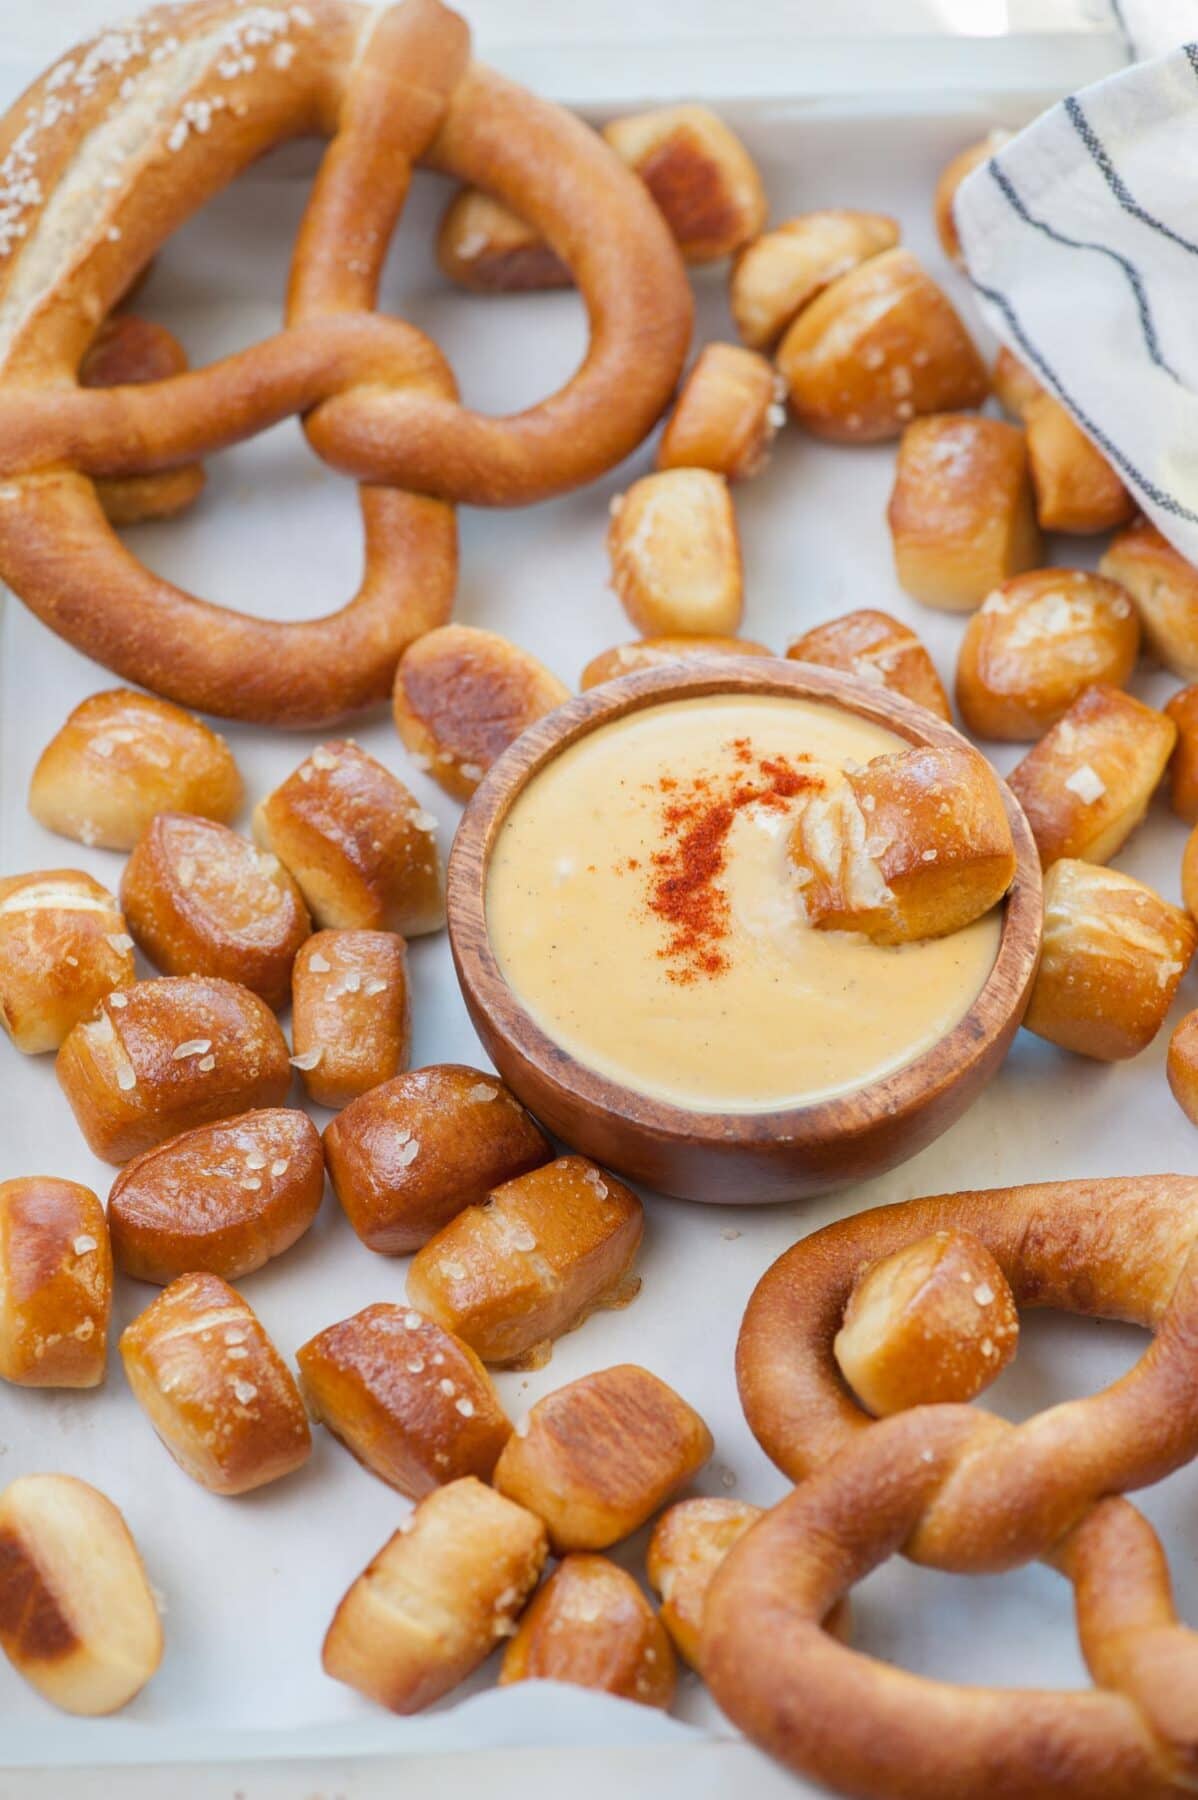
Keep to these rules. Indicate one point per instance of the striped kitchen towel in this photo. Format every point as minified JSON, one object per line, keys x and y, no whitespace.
{"x":1081,"y":240}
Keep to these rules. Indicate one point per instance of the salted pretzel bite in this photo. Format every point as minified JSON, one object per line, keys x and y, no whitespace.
{"x":1015,"y":387}
{"x":914,"y":845}
{"x":960,"y":514}
{"x":442,"y":1592}
{"x":213,"y":1386}
{"x":63,"y":946}
{"x":876,"y":347}
{"x":675,"y":554}
{"x":951,"y":177}
{"x":462,"y":696}
{"x":482,"y":244}
{"x":163,"y":1056}
{"x":127,"y":350}
{"x":776,"y":275}
{"x":532,"y":1261}
{"x":1183,"y":764}
{"x":1164,"y":587}
{"x":351,"y":1018}
{"x":591,"y":1626}
{"x":122,"y":757}
{"x":689,"y":1542}
{"x":77,"y":1615}
{"x":1036,"y":644}
{"x":596,"y":1458}
{"x":879,"y":649}
{"x":223,"y":1199}
{"x":1182,"y":1066}
{"x":1076,"y":489}
{"x":932,"y":1322}
{"x":726,"y":416}
{"x":1086,"y":785}
{"x":650,"y":653}
{"x":55,"y":1284}
{"x":363,"y":853}
{"x":409,"y":1155}
{"x":1114,"y":954}
{"x":200,"y":900}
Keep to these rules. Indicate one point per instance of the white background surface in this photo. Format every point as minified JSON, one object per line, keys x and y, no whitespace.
{"x":250,"y":1584}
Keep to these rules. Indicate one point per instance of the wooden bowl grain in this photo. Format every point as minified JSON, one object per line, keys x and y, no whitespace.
{"x":733,"y":1157}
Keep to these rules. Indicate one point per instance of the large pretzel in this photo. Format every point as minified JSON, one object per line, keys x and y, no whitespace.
{"x":959,"y":1488}
{"x":115,"y":146}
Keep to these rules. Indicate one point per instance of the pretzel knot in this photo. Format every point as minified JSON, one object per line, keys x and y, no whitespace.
{"x":114,"y":147}
{"x":958,"y":1488}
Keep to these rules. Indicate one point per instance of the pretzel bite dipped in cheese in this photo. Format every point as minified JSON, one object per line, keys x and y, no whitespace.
{"x":121,"y":758}
{"x":879,"y":649}
{"x":410,"y":1154}
{"x":1164,"y":587}
{"x":877,"y":347}
{"x":914,"y":845}
{"x":961,"y":516}
{"x":591,"y":1626}
{"x":1086,"y":785}
{"x":776,"y":275}
{"x":462,"y":696}
{"x":951,"y":177}
{"x":409,"y":1400}
{"x":166,"y":1055}
{"x":675,"y":555}
{"x":532,"y":1261}
{"x":77,"y":1615}
{"x":596,"y":1458}
{"x":651,"y":653}
{"x":55,"y":1284}
{"x":351,"y":1019}
{"x":223,"y":1199}
{"x":689,"y":1542}
{"x":1036,"y":644}
{"x":63,"y":946}
{"x":442,"y":1592}
{"x":214,"y":1387}
{"x":362,"y":852}
{"x":726,"y":416}
{"x":1183,"y":764}
{"x":932,"y":1322}
{"x":1076,"y":489}
{"x":1114,"y":954}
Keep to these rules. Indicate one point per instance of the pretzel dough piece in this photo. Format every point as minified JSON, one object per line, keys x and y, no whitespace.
{"x":880,"y":650}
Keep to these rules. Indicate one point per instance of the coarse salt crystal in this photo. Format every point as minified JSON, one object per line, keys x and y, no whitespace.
{"x":465,"y":1407}
{"x":412,"y":1321}
{"x":120,"y":941}
{"x":206,"y":1064}
{"x":983,"y":1293}
{"x":255,"y":1160}
{"x":408,"y":1153}
{"x":375,"y":985}
{"x":449,"y":1265}
{"x":319,"y":964}
{"x":190,"y":1047}
{"x":482,"y":1090}
{"x":83,"y":1243}
{"x":117,"y":1000}
{"x":245,"y":1391}
{"x":1086,"y":783}
{"x":309,"y":1059}
{"x":280,"y":1166}
{"x":125,"y":1078}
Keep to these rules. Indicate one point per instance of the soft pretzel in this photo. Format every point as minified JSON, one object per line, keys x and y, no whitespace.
{"x":126,"y":140}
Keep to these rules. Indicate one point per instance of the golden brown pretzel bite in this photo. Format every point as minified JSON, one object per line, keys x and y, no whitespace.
{"x":1164,"y":587}
{"x":650,"y":653}
{"x":878,"y":649}
{"x":55,"y":1284}
{"x":951,"y":177}
{"x":689,"y":1542}
{"x":378,"y":401}
{"x":776,"y":275}
{"x":1076,"y":488}
{"x":675,"y":554}
{"x":591,"y":1625}
{"x":1183,"y":764}
{"x":63,"y":947}
{"x":726,"y":416}
{"x":127,"y":350}
{"x":351,"y":1018}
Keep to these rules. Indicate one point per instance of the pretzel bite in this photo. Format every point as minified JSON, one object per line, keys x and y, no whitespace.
{"x":362,"y":850}
{"x":121,"y":758}
{"x":483,"y":245}
{"x":1189,"y":874}
{"x":462,"y":696}
{"x":1076,"y":488}
{"x":436,"y":1600}
{"x":1182,"y":1066}
{"x":351,"y":1021}
{"x":951,"y":177}
{"x":127,"y":350}
{"x":934,"y":1321}
{"x":77,"y":1614}
{"x":590,"y":1625}
{"x":1114,"y":954}
{"x":914,"y":845}
{"x":1086,"y":785}
{"x":960,"y":512}
{"x":410,"y":1154}
{"x":699,"y":173}
{"x":878,"y":346}
{"x":1164,"y":587}
{"x":55,"y":1284}
{"x":222,"y":1199}
{"x":726,"y":416}
{"x":410,"y":1401}
{"x":877,"y":649}
{"x":63,"y":946}
{"x":532,"y":1261}
{"x":651,"y":653}
{"x":1015,"y":387}
{"x":675,"y":555}
{"x":1183,"y":764}
{"x":596,"y":1458}
{"x":1038,"y":642}
{"x":776,"y":275}
{"x":689,"y":1543}
{"x":202,"y":901}
{"x":163,"y":1056}
{"x":214,"y":1387}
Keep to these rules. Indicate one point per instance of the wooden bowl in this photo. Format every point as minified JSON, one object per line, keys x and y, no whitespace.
{"x":732,"y":1157}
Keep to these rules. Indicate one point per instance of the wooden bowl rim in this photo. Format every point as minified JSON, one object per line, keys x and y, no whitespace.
{"x":859,"y":1110}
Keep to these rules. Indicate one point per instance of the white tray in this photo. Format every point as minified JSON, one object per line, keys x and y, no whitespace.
{"x":250,"y":1584}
